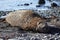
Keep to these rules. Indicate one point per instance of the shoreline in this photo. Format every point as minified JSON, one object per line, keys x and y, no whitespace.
{"x":44,"y":13}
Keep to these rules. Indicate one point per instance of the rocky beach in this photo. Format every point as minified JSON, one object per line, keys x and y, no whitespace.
{"x":7,"y":32}
{"x":49,"y":12}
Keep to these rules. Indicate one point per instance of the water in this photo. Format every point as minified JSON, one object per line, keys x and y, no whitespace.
{"x":9,"y":5}
{"x":12,"y":4}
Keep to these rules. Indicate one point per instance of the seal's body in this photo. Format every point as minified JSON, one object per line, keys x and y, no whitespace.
{"x":25,"y":19}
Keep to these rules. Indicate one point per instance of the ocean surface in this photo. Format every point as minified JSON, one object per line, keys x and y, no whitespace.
{"x":9,"y":5}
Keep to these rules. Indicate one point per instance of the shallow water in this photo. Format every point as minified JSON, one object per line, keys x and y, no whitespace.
{"x":9,"y":5}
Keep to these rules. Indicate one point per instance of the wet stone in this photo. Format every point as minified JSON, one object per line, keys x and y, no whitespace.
{"x":18,"y":5}
{"x":41,"y":2}
{"x":37,"y":39}
{"x":3,"y":13}
{"x":54,"y":5}
{"x":30,"y":3}
{"x":26,"y":4}
{"x":38,"y":6}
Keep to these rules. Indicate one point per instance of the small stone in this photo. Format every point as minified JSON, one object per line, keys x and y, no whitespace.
{"x":26,"y":4}
{"x":30,"y":3}
{"x":41,"y":2}
{"x":54,"y":5}
{"x":38,"y":6}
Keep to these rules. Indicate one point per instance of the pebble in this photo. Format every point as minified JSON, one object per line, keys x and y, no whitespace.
{"x":41,"y":2}
{"x":26,"y":4}
{"x":54,"y":5}
{"x":1,"y":39}
{"x":18,"y":5}
{"x":38,"y":6}
{"x":30,"y":3}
